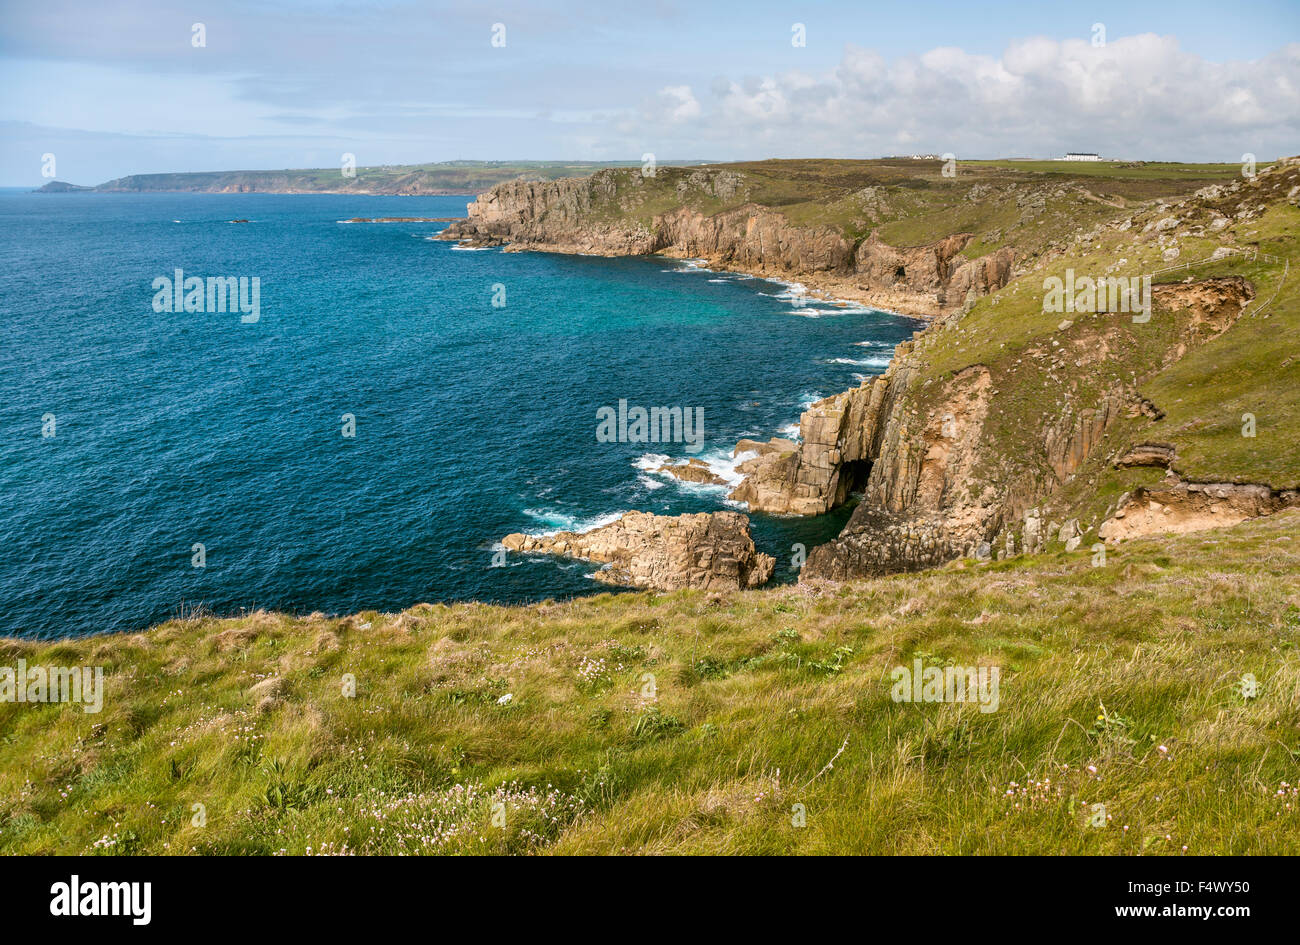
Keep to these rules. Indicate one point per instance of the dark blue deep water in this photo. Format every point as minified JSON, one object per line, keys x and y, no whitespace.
{"x":471,"y":421}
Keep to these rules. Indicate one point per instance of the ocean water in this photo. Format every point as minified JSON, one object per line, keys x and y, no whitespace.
{"x":471,"y":421}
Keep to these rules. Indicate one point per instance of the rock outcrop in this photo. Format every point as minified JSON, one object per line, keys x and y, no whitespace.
{"x":1178,"y":506}
{"x":1149,"y":454}
{"x":839,"y":438}
{"x":713,"y":551}
{"x":953,"y":454}
{"x":941,"y":487}
{"x":599,"y":215}
{"x":693,"y":470}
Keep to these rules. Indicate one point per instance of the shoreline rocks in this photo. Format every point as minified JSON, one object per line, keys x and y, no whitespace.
{"x":567,"y":216}
{"x":707,"y":550}
{"x":693,"y":470}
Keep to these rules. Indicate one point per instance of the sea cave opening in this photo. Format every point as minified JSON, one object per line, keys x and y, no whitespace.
{"x":854,"y":473}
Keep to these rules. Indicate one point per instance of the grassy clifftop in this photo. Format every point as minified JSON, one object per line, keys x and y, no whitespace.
{"x":1201,"y":396}
{"x":1149,"y":698}
{"x":696,"y":723}
{"x":909,"y":202}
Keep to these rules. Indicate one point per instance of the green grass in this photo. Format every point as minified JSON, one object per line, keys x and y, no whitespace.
{"x":1049,"y":365}
{"x":1197,"y":175}
{"x":911,"y":202}
{"x":695,"y":723}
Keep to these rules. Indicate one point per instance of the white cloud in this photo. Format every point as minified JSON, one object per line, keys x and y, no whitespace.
{"x":1138,"y":96}
{"x":673,"y":104}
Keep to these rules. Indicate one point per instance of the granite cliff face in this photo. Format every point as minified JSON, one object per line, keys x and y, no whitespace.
{"x":840,"y":438}
{"x":941,"y":485}
{"x":953,"y":454}
{"x":597,"y":215}
{"x":712,"y":551}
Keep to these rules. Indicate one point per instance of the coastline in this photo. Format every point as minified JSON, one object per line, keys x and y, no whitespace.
{"x":830,"y":290}
{"x":826,"y":288}
{"x":738,"y":458}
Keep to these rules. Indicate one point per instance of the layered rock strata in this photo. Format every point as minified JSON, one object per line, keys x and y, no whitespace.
{"x":1178,"y":506}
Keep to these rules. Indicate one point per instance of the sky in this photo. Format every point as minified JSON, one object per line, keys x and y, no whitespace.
{"x":117,"y":87}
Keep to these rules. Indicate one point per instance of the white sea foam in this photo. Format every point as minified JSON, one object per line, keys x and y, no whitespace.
{"x":861,"y":362}
{"x":720,"y":462}
{"x":649,"y":483}
{"x":556,"y":521}
{"x":723,"y":465}
{"x":650,"y":461}
{"x":790,"y":431}
{"x":689,"y":265}
{"x":467,"y":249}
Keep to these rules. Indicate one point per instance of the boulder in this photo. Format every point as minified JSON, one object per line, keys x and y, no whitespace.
{"x":709,"y":550}
{"x":693,"y":470}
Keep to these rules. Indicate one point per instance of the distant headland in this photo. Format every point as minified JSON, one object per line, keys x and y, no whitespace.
{"x":447,"y":177}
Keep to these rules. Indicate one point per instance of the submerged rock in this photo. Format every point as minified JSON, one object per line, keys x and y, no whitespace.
{"x":709,"y":550}
{"x":693,"y":470}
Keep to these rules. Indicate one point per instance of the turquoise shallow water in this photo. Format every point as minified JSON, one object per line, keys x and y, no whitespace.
{"x":472,"y":421}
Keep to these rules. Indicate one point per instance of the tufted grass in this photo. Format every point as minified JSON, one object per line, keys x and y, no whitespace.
{"x":752,"y":696}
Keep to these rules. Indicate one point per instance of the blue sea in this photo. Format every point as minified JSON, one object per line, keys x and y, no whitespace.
{"x":128,"y":436}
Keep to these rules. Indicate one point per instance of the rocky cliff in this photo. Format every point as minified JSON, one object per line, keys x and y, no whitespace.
{"x":998,"y":410}
{"x":942,"y":482}
{"x":615,"y":212}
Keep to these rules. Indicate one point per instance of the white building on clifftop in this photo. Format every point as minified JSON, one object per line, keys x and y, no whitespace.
{"x":1081,"y":156}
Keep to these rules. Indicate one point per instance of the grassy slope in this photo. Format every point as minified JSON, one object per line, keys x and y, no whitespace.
{"x":757,"y":692}
{"x":1250,"y":368}
{"x":755,"y":695}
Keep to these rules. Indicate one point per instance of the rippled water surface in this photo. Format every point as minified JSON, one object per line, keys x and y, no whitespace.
{"x":471,"y":421}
